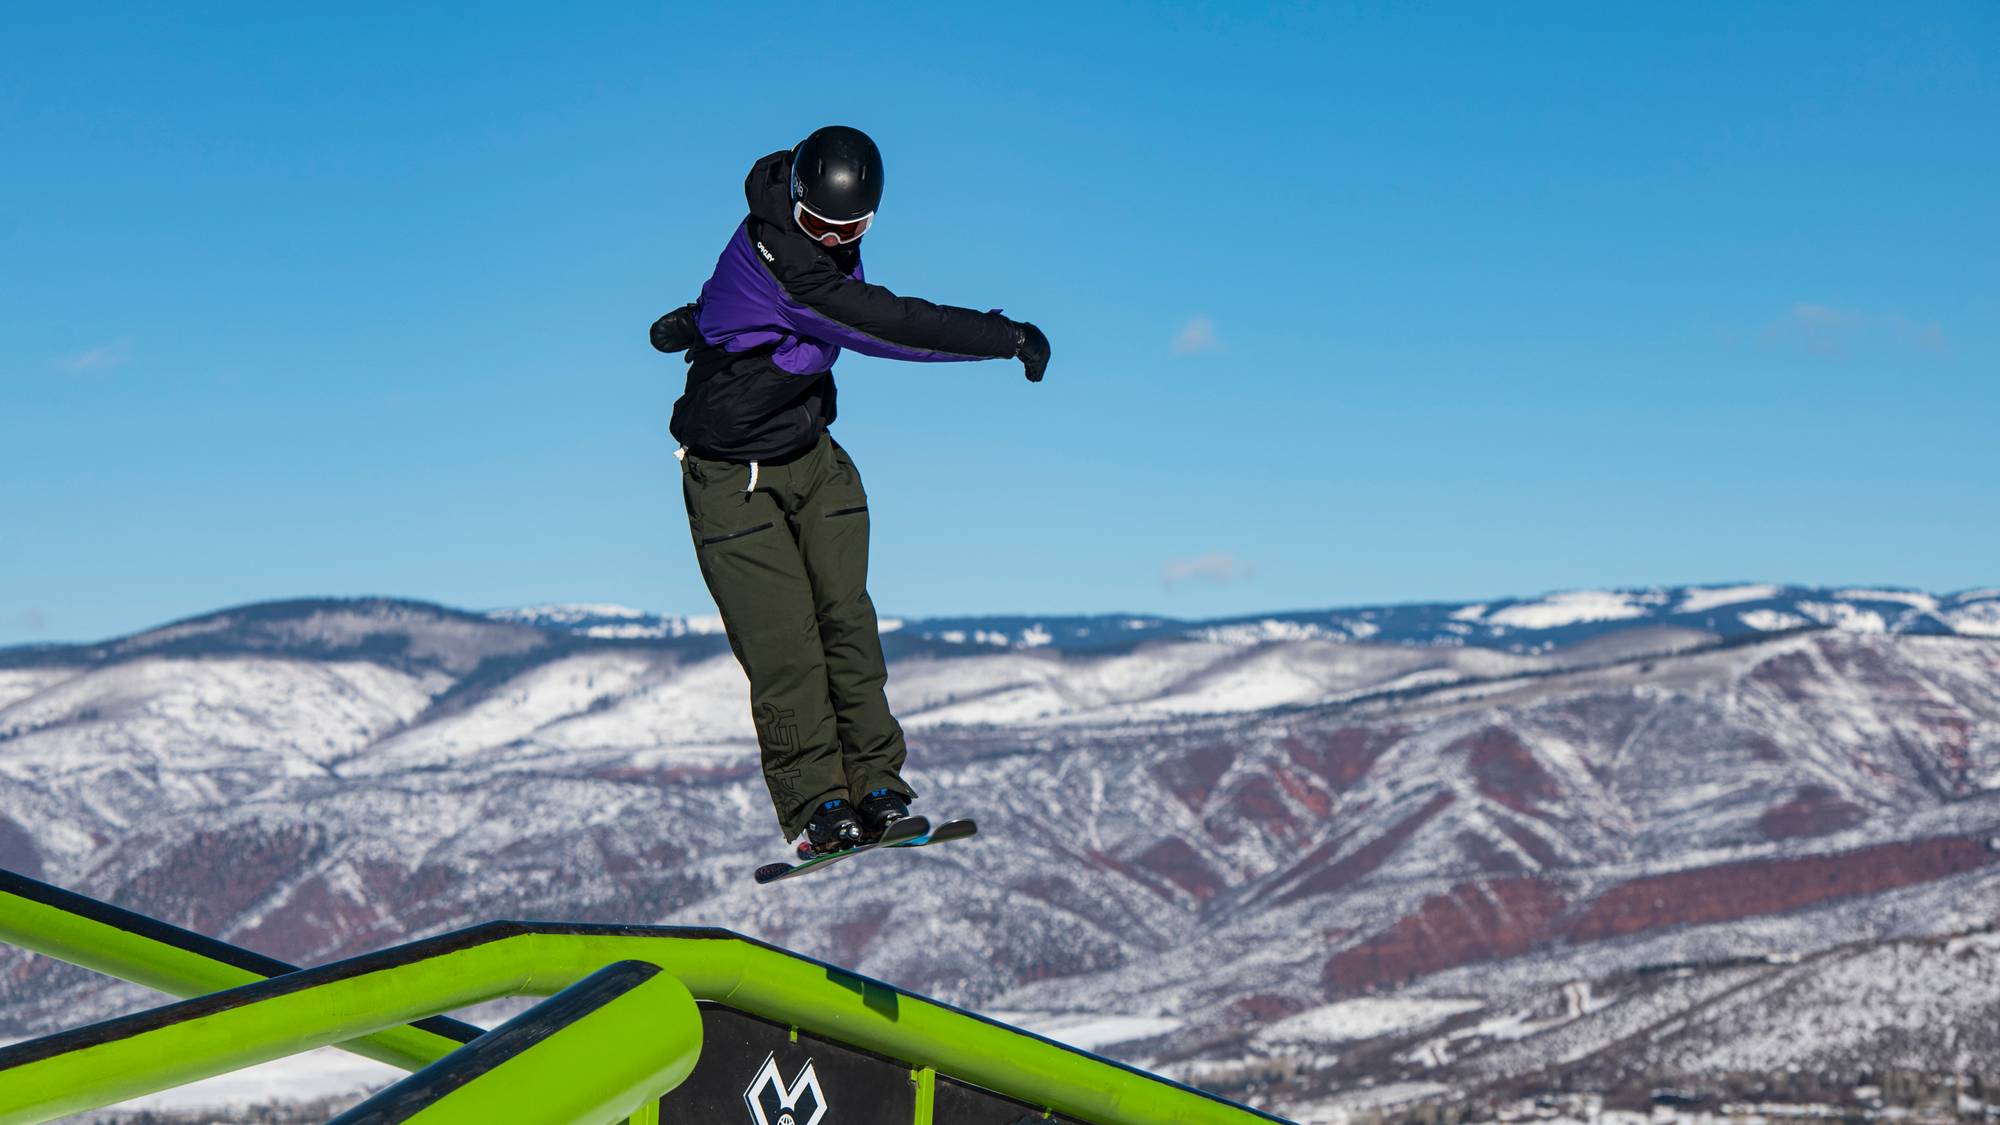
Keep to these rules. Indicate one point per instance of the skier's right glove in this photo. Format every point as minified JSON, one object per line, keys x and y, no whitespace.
{"x":677,"y":331}
{"x":1032,"y":349}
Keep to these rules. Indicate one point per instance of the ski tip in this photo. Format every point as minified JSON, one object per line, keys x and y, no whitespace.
{"x":943,"y":833}
{"x":955,"y":829}
{"x":772,"y":871}
{"x":908,"y":828}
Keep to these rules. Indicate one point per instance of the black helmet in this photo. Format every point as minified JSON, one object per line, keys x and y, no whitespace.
{"x":837,"y":174}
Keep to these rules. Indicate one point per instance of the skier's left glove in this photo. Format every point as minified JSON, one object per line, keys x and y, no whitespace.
{"x":677,"y":331}
{"x":1032,"y":349}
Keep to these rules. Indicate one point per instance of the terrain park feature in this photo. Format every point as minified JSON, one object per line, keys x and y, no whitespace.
{"x":644,"y":1024}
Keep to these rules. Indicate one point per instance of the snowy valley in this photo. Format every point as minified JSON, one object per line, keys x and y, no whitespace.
{"x":1382,"y":861}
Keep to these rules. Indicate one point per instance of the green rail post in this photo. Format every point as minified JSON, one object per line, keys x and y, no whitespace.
{"x":926,"y":1080}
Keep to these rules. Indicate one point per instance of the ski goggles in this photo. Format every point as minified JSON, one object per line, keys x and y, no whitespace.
{"x":830,"y":232}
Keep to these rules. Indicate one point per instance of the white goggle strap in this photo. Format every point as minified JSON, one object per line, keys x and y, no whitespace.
{"x":861,"y":224}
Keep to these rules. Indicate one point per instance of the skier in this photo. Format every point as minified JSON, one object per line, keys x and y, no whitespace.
{"x":774,"y":504}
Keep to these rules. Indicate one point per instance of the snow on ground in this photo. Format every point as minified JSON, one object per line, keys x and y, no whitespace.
{"x":610,"y":621}
{"x":704,"y":702}
{"x":1089,"y":1031}
{"x":632,"y":631}
{"x":1572,"y":607}
{"x":539,"y":697}
{"x":210,"y":713}
{"x":1364,"y":1018}
{"x":1022,"y":688}
{"x":959,"y":637}
{"x":1909,"y":598}
{"x":1440,"y":1050}
{"x":1974,"y":945}
{"x":1700,"y":599}
{"x":1845,"y":617}
{"x":17,"y":684}
{"x":1163,"y":680}
{"x":567,"y":611}
{"x":1980,"y":619}
{"x":1261,"y":632}
{"x":1886,"y":1004}
{"x":324,"y":1073}
{"x":1341,"y":1108}
{"x":1772,"y":620}
{"x":1253,"y":686}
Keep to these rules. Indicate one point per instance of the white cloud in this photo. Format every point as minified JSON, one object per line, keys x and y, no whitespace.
{"x":1823,"y":329}
{"x":1197,"y":335}
{"x":29,"y":621}
{"x":1923,"y":335}
{"x":103,"y":357}
{"x":1217,"y":567}
{"x":1828,"y":332}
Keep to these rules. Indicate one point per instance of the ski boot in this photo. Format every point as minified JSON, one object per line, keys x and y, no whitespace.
{"x":880,"y":809}
{"x":831,"y":829}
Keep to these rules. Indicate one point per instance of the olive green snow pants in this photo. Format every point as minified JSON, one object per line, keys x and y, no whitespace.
{"x":785,"y":554}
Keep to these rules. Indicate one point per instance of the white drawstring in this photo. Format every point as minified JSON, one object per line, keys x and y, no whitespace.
{"x":681,"y":455}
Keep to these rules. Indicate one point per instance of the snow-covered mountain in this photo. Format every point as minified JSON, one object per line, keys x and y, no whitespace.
{"x":1512,"y":625}
{"x":1295,"y":865}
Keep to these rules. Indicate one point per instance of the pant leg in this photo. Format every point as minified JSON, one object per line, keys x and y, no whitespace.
{"x":832,"y":525}
{"x":755,"y":570}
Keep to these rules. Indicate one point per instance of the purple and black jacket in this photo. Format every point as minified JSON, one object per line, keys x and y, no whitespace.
{"x":773,"y":319}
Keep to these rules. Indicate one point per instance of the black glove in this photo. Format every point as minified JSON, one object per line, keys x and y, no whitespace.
{"x":676,"y":331}
{"x":1032,"y":349}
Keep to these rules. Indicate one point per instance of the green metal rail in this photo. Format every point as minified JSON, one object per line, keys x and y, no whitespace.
{"x":367,"y":1004}
{"x":631,"y":1027}
{"x":130,"y":946}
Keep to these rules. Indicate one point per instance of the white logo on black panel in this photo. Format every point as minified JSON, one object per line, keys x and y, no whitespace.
{"x":772,"y":1102}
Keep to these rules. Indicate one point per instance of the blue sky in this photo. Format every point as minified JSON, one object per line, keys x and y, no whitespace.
{"x":1350,"y":303}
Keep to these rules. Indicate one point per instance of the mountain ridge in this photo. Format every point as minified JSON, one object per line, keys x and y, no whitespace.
{"x":1547,"y":621}
{"x":1258,"y":826}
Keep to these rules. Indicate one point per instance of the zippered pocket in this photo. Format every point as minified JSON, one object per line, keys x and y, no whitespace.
{"x":713,"y":540}
{"x":847,"y":511}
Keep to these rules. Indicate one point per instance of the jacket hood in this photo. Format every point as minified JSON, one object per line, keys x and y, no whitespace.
{"x":768,"y":188}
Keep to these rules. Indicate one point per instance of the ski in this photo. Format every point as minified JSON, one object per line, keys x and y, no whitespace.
{"x":911,"y":832}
